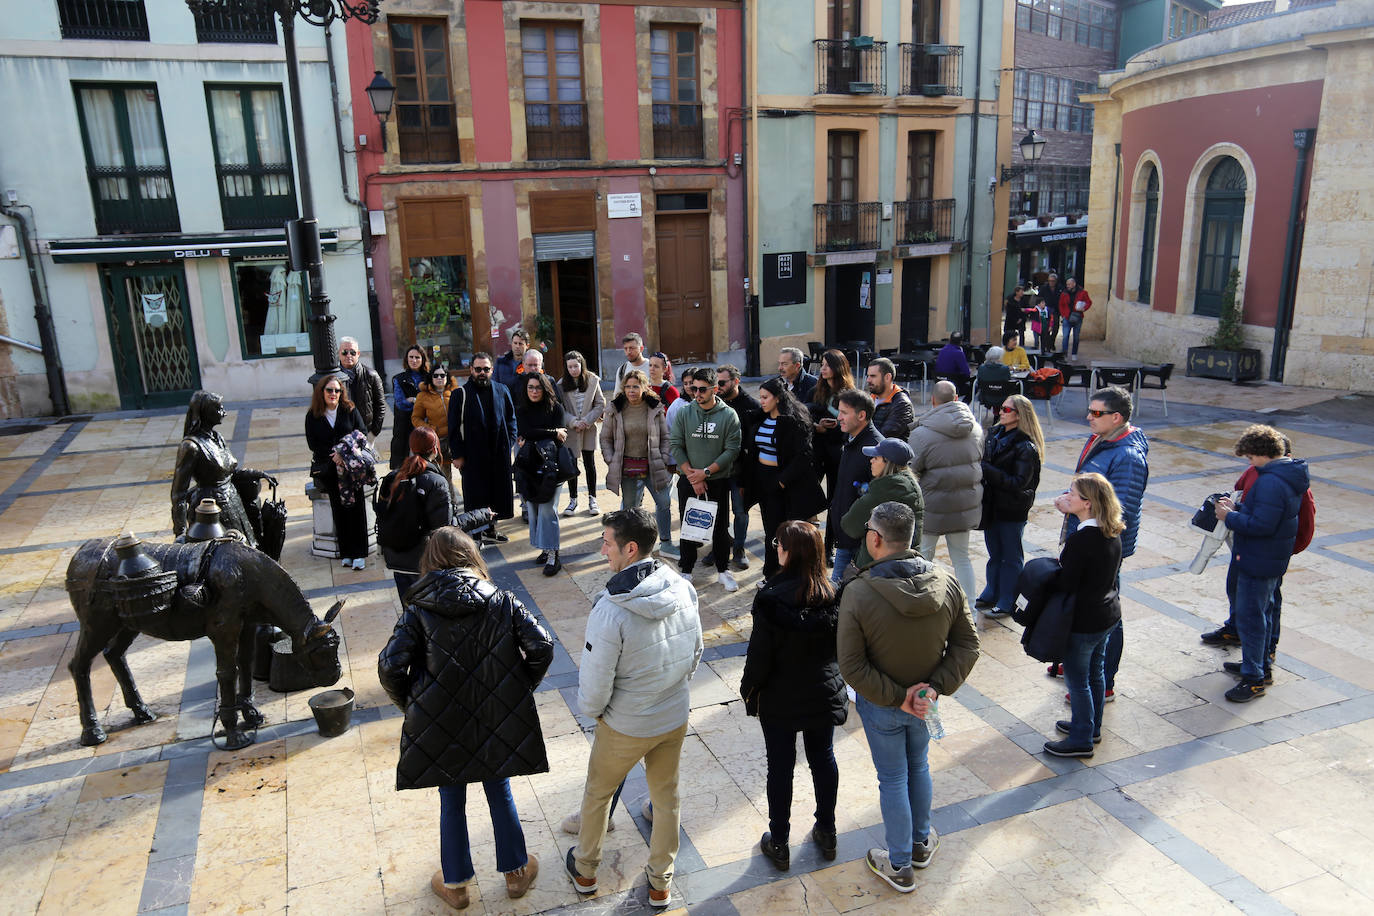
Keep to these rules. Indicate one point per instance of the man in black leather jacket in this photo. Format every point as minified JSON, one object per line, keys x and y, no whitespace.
{"x":364,"y":386}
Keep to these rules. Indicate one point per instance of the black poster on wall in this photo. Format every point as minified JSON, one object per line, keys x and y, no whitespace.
{"x":784,"y":278}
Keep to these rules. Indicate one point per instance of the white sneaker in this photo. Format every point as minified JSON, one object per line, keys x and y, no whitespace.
{"x":572,"y":824}
{"x":572,"y":507}
{"x":345,"y":562}
{"x":360,"y":563}
{"x":592,"y":507}
{"x":727,"y":582}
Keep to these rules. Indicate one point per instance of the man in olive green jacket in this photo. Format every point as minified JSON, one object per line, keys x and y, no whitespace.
{"x":905,"y":638}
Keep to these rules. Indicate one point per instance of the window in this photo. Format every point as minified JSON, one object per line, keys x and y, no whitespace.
{"x":845,"y":16}
{"x":438,"y":287}
{"x":920,"y":159}
{"x":555,"y":110}
{"x":252,"y":161}
{"x":1080,"y":21}
{"x":676,"y":93}
{"x":126,"y":159}
{"x":1052,"y":190}
{"x":842,"y":180}
{"x":247,"y":26}
{"x":1223,"y":213}
{"x":1147,"y":236}
{"x":1050,"y":103}
{"x":124,"y":20}
{"x":273,"y":309}
{"x":425,"y":125}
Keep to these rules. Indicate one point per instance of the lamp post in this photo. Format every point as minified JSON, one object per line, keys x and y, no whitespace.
{"x":1032,"y":146}
{"x":382,"y":95}
{"x":304,"y":236}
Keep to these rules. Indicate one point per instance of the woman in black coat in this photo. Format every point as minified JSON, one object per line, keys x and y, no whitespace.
{"x":1012,"y":454}
{"x":540,"y":419}
{"x":404,"y":386}
{"x":412,"y":503}
{"x":784,"y":478}
{"x":463,"y":663}
{"x":331,"y":417}
{"x":792,"y":683}
{"x":827,"y":438}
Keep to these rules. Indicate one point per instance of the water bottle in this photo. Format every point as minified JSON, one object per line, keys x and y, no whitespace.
{"x":933,"y":723}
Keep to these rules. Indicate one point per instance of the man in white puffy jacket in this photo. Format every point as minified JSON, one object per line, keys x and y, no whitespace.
{"x":643,"y":645}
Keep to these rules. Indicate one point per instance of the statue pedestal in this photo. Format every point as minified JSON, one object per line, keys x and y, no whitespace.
{"x":324,"y":543}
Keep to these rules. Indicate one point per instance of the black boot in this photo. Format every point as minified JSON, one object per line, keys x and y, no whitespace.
{"x":777,"y":853}
{"x":554,"y":565}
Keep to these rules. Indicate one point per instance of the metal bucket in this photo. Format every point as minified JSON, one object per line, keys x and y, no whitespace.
{"x":333,"y":711}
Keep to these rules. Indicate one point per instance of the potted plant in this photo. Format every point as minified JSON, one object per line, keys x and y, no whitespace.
{"x":544,"y":330}
{"x":1224,"y":355}
{"x":435,"y":303}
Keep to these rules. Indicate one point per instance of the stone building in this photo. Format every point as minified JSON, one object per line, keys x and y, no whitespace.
{"x":1247,"y":147}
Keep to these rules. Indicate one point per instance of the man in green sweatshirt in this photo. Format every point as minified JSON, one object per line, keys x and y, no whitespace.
{"x":705,"y":441}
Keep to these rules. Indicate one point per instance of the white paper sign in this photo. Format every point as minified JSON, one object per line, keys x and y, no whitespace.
{"x":622,"y":206}
{"x":884,"y":276}
{"x":155,"y":309}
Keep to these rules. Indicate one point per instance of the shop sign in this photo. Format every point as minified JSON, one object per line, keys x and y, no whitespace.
{"x":623,"y":206}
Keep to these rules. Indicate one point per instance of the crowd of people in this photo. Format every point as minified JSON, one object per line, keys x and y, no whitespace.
{"x":858,"y":602}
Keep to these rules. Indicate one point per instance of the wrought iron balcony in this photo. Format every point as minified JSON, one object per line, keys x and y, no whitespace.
{"x":256,"y":197}
{"x":249,"y":26}
{"x":133,"y":199}
{"x":677,"y":130}
{"x":557,"y":130}
{"x":921,"y":221}
{"x":932,"y":70}
{"x":851,"y":66}
{"x":848,"y":226}
{"x":124,"y":20}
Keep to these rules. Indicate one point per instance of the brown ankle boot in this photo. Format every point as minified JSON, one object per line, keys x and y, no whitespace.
{"x":456,"y":897}
{"x":520,"y":880}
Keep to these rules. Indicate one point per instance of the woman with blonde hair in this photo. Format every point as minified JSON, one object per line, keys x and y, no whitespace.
{"x":451,"y":665}
{"x":634,"y":445}
{"x":1012,"y":456}
{"x":1089,"y":564}
{"x":431,"y":411}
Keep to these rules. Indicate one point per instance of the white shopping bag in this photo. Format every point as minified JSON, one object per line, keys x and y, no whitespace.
{"x":698,"y":518}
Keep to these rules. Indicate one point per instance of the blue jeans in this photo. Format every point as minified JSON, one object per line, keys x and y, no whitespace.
{"x":1084,"y":660}
{"x":843,"y":557}
{"x":1005,"y":559}
{"x":455,"y":852}
{"x":741,"y":519}
{"x":1072,"y":328}
{"x":898,"y":742}
{"x":1253,"y":596}
{"x":632,"y":491}
{"x":544,"y":522}
{"x":1275,"y":606}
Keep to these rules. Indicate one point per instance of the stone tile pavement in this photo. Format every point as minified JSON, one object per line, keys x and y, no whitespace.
{"x":1191,"y":803}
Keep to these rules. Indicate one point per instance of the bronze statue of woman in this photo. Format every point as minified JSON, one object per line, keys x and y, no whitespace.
{"x":207,"y":469}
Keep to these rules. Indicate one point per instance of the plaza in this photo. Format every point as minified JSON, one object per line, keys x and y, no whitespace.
{"x":1190,"y":804}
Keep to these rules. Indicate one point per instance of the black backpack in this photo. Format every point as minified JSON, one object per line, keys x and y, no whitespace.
{"x":401,"y":519}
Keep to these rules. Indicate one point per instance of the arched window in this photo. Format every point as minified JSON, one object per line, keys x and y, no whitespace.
{"x":1147,"y":236}
{"x":1223,"y":212}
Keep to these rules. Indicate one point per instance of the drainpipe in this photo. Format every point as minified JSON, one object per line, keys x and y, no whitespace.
{"x":966,"y":308}
{"x":1116,"y":202}
{"x":1283,"y":325}
{"x":42,"y":313}
{"x":753,"y":295}
{"x":373,"y":306}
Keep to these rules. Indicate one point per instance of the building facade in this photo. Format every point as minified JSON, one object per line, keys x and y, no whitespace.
{"x":571,"y":168}
{"x":872,"y":141}
{"x":1242,"y":148}
{"x":152,"y":177}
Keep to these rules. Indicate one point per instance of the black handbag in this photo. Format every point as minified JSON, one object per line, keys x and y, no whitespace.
{"x":273,"y":536}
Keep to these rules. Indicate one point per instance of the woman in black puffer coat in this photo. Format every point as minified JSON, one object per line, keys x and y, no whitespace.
{"x":411,"y":503}
{"x":1012,"y":454}
{"x":463,"y":663}
{"x":792,"y":683}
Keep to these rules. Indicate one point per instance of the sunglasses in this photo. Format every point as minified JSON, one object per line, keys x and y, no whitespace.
{"x":1006,"y":409}
{"x":874,"y":530}
{"x":700,"y":389}
{"x":332,"y":390}
{"x":481,"y":368}
{"x":348,"y":352}
{"x":439,"y":375}
{"x":1099,"y":413}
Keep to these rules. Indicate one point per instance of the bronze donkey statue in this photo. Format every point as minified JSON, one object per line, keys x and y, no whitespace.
{"x":222,"y":589}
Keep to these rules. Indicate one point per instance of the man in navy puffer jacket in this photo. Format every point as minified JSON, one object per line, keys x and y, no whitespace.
{"x":1264,"y":528}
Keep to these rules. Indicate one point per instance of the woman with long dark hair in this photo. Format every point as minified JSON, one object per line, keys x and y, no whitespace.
{"x":634,"y":445}
{"x":431,"y":411}
{"x":1012,"y":455}
{"x":463,"y":663}
{"x":827,"y":438}
{"x":331,"y":417}
{"x":792,"y":683}
{"x":540,"y":420}
{"x":784,"y":480}
{"x":404,"y":386}
{"x":583,"y":405}
{"x":412,"y":503}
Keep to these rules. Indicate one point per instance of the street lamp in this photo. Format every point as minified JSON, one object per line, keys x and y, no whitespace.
{"x":381,"y":94}
{"x":1032,"y":145}
{"x":306,"y":231}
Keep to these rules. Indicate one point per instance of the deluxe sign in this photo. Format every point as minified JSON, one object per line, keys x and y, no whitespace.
{"x":200,"y":253}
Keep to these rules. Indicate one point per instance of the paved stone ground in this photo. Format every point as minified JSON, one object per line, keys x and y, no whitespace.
{"x":1191,"y":803}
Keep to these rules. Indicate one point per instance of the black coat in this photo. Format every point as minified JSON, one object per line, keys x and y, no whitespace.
{"x":366,"y":391}
{"x":806,"y":385}
{"x":1011,"y":474}
{"x":484,"y":444}
{"x":408,"y":385}
{"x":854,"y":472}
{"x":798,"y":470}
{"x":435,"y":497}
{"x":536,"y":462}
{"x":791,"y":676}
{"x":895,"y":419}
{"x":321,"y":437}
{"x":463,"y":663}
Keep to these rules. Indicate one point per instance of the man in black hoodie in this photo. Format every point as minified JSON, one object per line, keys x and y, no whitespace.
{"x":856,"y":412}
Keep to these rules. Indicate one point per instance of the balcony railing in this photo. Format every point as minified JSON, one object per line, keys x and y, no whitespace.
{"x":124,"y":20}
{"x":133,"y":199}
{"x":848,"y":226}
{"x":557,"y":130}
{"x":932,"y":70}
{"x":677,"y":130}
{"x":921,"y":221}
{"x":256,"y":197}
{"x":236,"y":27}
{"x":851,"y":66}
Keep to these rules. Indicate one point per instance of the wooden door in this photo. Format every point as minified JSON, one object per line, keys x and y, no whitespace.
{"x":684,"y":286}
